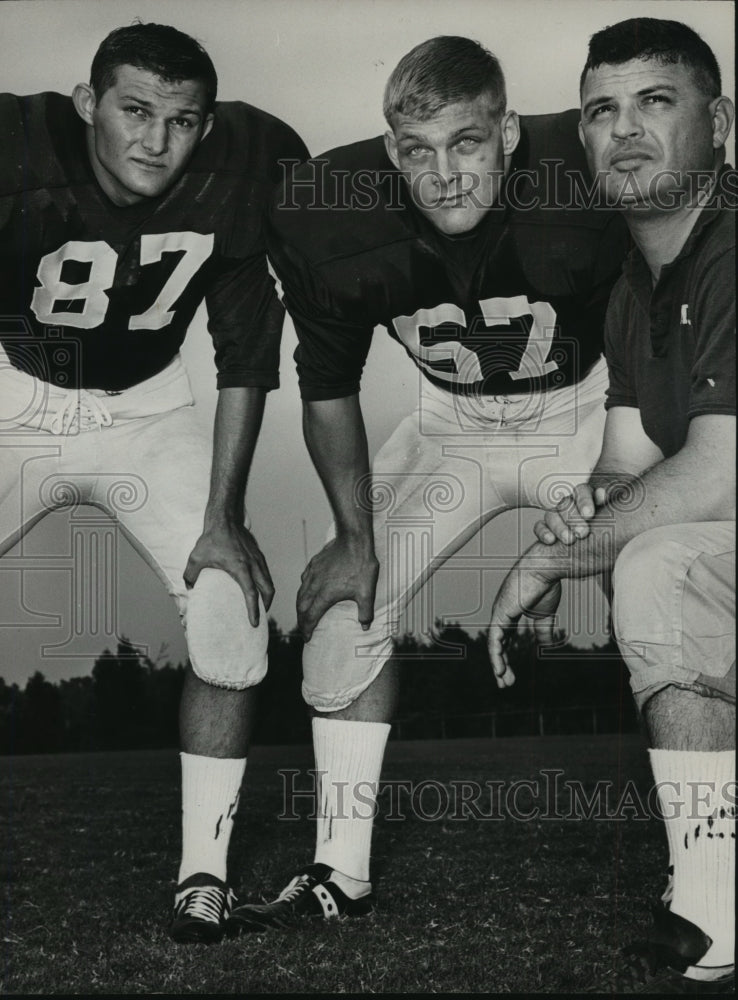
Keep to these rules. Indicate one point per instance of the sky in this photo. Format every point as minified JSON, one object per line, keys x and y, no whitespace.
{"x":321,"y":66}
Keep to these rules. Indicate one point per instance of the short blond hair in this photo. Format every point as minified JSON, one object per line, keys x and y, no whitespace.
{"x":441,"y":71}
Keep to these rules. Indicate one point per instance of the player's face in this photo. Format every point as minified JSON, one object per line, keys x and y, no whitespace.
{"x":143,"y":132}
{"x":455,"y":161}
{"x":650,"y":132}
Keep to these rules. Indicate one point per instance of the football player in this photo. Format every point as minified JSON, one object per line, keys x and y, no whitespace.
{"x":461,"y":233}
{"x":121,"y":209}
{"x":660,"y":504}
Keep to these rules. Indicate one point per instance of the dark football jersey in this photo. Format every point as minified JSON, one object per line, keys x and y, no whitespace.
{"x":516,"y":305}
{"x":100,"y":296}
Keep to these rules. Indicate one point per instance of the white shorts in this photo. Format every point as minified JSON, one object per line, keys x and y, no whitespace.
{"x":450,"y":467}
{"x":141,"y":455}
{"x":673,"y":609}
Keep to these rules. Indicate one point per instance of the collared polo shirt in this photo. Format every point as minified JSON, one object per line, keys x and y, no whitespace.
{"x":670,"y":348}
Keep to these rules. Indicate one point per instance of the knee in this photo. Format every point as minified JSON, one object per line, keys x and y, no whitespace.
{"x":643,"y":580}
{"x":342,"y":660}
{"x":225,"y":649}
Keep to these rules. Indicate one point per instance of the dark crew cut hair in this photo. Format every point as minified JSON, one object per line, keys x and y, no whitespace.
{"x":653,"y":38}
{"x":157,"y":48}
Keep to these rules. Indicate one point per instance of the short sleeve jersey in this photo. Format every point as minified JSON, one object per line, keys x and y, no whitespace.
{"x":100,"y":296}
{"x":516,"y":305}
{"x":671,"y":348}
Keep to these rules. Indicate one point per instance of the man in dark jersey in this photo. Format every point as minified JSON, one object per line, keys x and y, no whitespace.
{"x":660,"y":503}
{"x":121,"y":209}
{"x":498,"y":295}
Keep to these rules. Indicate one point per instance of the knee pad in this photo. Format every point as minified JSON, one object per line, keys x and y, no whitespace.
{"x":341,"y":660}
{"x":225,"y":649}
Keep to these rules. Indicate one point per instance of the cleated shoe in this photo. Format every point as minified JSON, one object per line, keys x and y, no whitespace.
{"x":311,"y":893}
{"x":202,"y":906}
{"x":667,"y":961}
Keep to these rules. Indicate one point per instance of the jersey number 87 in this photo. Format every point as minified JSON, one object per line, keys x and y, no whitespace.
{"x":91,"y":302}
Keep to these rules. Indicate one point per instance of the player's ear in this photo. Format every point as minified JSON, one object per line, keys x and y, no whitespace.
{"x":510,"y":130}
{"x":83,"y":98}
{"x":580,"y":130}
{"x":722,"y":114}
{"x":390,"y":144}
{"x":209,"y":122}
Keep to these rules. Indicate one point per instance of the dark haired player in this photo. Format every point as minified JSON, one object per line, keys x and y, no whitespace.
{"x":121,"y":209}
{"x":654,"y":124}
{"x":498,"y":296}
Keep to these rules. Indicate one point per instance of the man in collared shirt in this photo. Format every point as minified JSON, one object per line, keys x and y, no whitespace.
{"x":671,"y":347}
{"x":660,"y":504}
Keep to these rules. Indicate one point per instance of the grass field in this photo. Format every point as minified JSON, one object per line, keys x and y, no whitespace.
{"x":467,"y":905}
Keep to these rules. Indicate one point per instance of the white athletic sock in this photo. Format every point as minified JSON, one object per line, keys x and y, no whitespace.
{"x":354,"y":888}
{"x":348,"y":759}
{"x":698,"y":802}
{"x":210,"y":791}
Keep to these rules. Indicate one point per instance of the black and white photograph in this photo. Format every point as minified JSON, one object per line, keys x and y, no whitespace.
{"x":367,"y":496}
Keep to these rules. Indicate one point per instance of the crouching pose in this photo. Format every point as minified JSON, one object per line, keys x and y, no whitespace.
{"x":498,"y":298}
{"x":121,"y":209}
{"x":660,"y":504}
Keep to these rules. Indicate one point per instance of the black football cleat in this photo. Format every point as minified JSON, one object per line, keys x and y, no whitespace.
{"x":667,"y":961}
{"x":309,"y":894}
{"x":202,"y":905}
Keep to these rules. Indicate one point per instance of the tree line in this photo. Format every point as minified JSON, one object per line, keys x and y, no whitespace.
{"x":446,"y":688}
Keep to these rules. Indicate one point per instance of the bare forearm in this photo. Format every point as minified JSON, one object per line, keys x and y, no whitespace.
{"x":696,"y":484}
{"x":336,"y":440}
{"x":237,"y":423}
{"x":346,"y":568}
{"x":678,"y":490}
